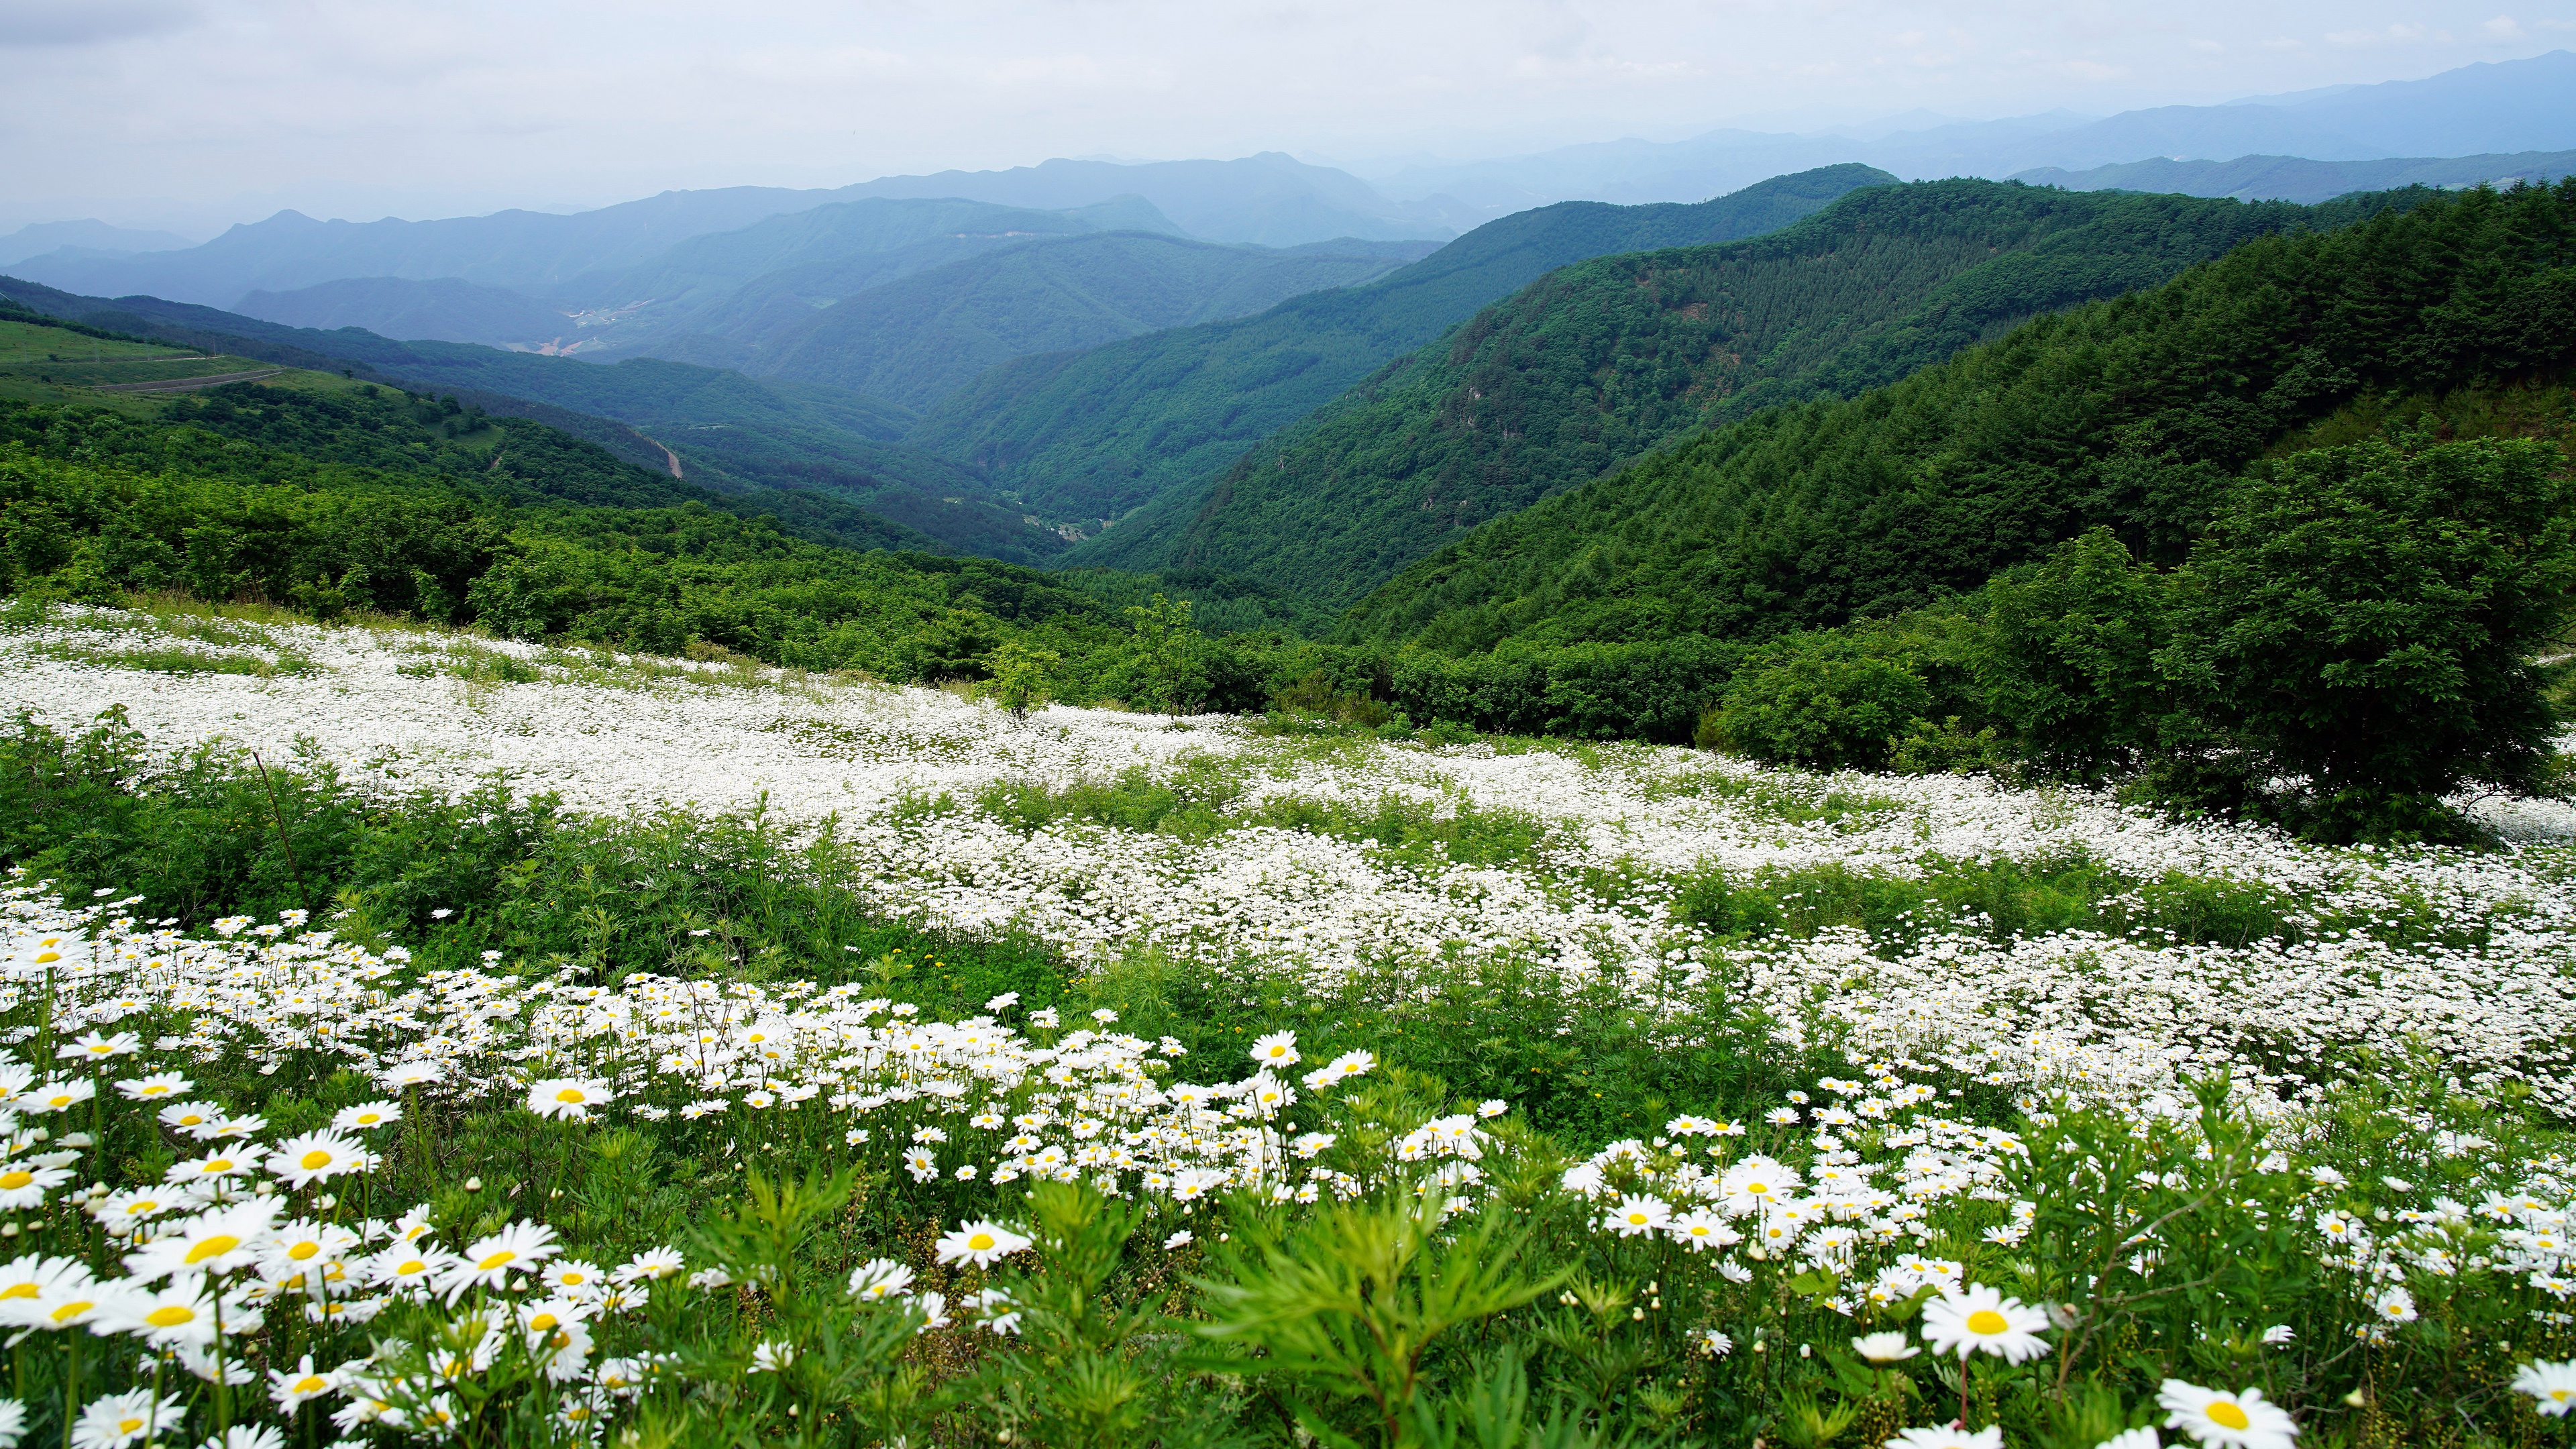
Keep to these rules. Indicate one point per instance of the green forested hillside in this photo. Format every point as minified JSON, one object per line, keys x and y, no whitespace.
{"x":1095,"y":434}
{"x":728,"y":431}
{"x":305,"y":426}
{"x":1601,"y":362}
{"x":327,"y":495}
{"x":918,"y":339}
{"x":2137,"y":414}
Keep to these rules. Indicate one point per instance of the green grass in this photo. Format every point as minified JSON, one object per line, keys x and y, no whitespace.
{"x":182,"y":659}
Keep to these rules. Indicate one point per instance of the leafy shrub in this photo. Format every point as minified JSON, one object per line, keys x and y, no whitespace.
{"x":2363,"y":620}
{"x":1823,"y":703}
{"x":2064,"y":656}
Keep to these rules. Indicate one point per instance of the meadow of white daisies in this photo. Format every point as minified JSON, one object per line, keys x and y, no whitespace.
{"x":1347,"y":1090}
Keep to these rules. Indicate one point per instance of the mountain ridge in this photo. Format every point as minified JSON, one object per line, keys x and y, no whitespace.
{"x":1611,"y":358}
{"x":1101,"y":432}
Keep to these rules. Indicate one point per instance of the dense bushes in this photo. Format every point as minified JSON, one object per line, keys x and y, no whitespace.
{"x":2135,"y":414}
{"x":1824,"y":704}
{"x":2353,"y":640}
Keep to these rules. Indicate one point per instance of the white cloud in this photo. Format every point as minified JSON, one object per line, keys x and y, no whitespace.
{"x":593,"y":101}
{"x":91,"y":22}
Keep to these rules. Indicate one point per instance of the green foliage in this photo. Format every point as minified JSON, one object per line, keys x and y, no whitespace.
{"x":2135,"y":414}
{"x":2065,"y":651}
{"x":213,"y":833}
{"x":2365,"y":620}
{"x":1345,"y":1303}
{"x":1094,"y":1372}
{"x":1814,"y":701}
{"x":1020,"y":675}
{"x":1598,"y":363}
{"x":793,"y":447}
{"x":1165,"y":663}
{"x":1654,"y":690}
{"x":1096,"y":434}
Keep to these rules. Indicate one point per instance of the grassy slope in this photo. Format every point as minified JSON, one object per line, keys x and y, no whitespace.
{"x":1601,"y":362}
{"x":2135,"y":413}
{"x":918,"y":339}
{"x":1098,"y":433}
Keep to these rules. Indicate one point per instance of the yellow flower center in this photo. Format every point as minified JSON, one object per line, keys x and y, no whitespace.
{"x":543,"y":1321}
{"x":317,"y":1158}
{"x":415,"y":1266}
{"x":2229,"y":1416}
{"x":141,"y":1209}
{"x":981,"y":1242}
{"x":570,"y":1094}
{"x":170,"y":1316}
{"x":219,"y":1164}
{"x":214,"y":1247}
{"x":1755,"y":1188}
{"x":310,"y":1384}
{"x":74,"y":1309}
{"x":496,"y":1260}
{"x":15,"y":1179}
{"x":47,"y":958}
{"x":302,"y":1251}
{"x":1987,"y":1323}
{"x":368,"y":1119}
{"x":19,"y":1290}
{"x":129,"y":1426}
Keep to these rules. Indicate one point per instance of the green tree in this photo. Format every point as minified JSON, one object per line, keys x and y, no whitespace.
{"x":1819,"y":701}
{"x":2065,"y":656}
{"x":1166,"y":663}
{"x":1020,"y":676}
{"x":2364,"y":621}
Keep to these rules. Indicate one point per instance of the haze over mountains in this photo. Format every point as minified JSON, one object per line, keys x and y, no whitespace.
{"x":2500,"y":107}
{"x":1276,"y":370}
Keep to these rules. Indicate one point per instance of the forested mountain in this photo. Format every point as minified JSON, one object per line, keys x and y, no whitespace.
{"x":2297,"y":178}
{"x":2499,"y":107}
{"x":520,"y":250}
{"x":746,"y":285}
{"x":444,"y":310}
{"x":1097,"y":433}
{"x":1269,"y":199}
{"x":329,"y":495}
{"x":918,"y":339}
{"x":767,"y":278}
{"x":725,"y":430}
{"x":1598,"y":363}
{"x":2136,"y":413}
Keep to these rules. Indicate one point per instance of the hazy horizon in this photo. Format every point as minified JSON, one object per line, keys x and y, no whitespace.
{"x":191,"y":115}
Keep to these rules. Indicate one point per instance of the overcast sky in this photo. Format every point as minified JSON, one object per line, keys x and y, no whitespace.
{"x":197,"y":113}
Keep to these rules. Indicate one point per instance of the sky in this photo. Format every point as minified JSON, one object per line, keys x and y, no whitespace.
{"x":194,"y":114}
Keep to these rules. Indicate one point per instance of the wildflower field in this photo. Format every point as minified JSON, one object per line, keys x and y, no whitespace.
{"x":418,"y":1037}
